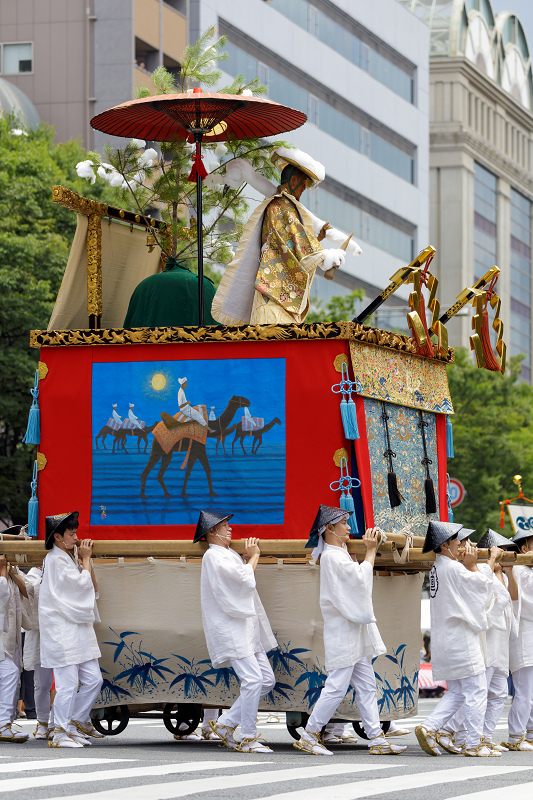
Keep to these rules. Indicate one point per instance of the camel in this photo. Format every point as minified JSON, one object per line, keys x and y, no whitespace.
{"x":120,"y":436}
{"x":258,"y":435}
{"x":197,"y":451}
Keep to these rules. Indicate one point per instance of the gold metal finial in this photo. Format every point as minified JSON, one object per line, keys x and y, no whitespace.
{"x":517,"y":480}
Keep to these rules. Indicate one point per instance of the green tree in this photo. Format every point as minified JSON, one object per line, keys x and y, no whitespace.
{"x":493,"y":437}
{"x":340,"y":307}
{"x":35,"y":238}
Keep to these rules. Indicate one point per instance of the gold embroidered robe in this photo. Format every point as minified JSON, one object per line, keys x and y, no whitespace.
{"x":276,"y":258}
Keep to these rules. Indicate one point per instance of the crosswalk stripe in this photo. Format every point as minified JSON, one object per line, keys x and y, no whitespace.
{"x":164,"y":791}
{"x":400,"y":783}
{"x":520,"y":791}
{"x":55,"y":763}
{"x":18,"y":784}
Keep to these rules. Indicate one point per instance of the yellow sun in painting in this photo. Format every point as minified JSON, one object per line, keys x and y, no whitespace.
{"x":159,"y":382}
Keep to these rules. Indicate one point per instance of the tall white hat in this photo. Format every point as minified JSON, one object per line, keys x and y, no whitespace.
{"x":314,"y":170}
{"x":182,"y":381}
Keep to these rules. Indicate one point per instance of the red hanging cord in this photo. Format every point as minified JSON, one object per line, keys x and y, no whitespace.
{"x":197,"y":166}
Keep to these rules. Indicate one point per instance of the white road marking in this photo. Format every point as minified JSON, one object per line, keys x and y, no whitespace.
{"x":55,"y":763}
{"x":519,"y":791}
{"x":19,"y":784}
{"x":400,"y":783}
{"x":164,"y":791}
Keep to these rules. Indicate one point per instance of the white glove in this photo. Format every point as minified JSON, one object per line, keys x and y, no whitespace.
{"x":333,"y":258}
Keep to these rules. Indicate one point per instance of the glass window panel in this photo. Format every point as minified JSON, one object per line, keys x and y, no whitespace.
{"x":295,"y":10}
{"x":18,"y":58}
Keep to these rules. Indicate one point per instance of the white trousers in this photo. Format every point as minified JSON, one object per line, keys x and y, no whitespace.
{"x":257,"y":679}
{"x":9,"y":688}
{"x":497,"y":691}
{"x":361,"y":677}
{"x":473,"y":693}
{"x":194,"y":414}
{"x":43,"y":678}
{"x":521,"y":711}
{"x":210,"y":715}
{"x":71,"y":702}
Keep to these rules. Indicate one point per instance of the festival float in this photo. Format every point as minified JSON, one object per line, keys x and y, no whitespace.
{"x":338,"y":413}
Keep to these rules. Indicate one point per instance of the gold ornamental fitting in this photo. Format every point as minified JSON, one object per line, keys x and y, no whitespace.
{"x":517,"y":480}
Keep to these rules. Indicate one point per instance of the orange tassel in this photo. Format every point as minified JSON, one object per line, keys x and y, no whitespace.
{"x":427,"y":348}
{"x":490,"y":359}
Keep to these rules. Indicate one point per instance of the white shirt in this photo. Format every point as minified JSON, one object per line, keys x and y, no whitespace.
{"x":116,"y":417}
{"x":11,"y":620}
{"x":350,"y":630}
{"x":501,"y":622}
{"x":67,"y":612}
{"x":4,"y":600}
{"x":235,"y":623}
{"x":32,"y":656}
{"x":521,"y":647}
{"x":458,"y":602}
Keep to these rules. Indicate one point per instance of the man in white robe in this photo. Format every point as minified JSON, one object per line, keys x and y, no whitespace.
{"x":67,"y":613}
{"x":520,"y":717}
{"x":186,"y":409}
{"x":502,"y":626}
{"x":43,"y":677}
{"x":132,"y":418}
{"x":11,"y":620}
{"x":116,"y":415}
{"x":351,"y":636}
{"x":459,"y":596}
{"x":236,"y":628}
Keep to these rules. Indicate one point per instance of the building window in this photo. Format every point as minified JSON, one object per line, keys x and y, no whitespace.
{"x":366,"y":225}
{"x":331,"y":120}
{"x":521,"y":280}
{"x":485,"y":220}
{"x":17,"y":59}
{"x":378,"y":60}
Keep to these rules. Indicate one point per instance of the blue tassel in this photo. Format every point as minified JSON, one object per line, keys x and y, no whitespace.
{"x":348,"y":410}
{"x":348,"y":505}
{"x":449,"y":437}
{"x":33,"y":507}
{"x":33,"y":431}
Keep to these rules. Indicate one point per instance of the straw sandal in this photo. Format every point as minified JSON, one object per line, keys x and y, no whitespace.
{"x":225,"y":734}
{"x":518,"y":744}
{"x":382,"y":747}
{"x":446,"y":739}
{"x":481,"y":751}
{"x":252,"y":744}
{"x":88,"y":729}
{"x":311,"y":742}
{"x":427,"y":740}
{"x":7,"y":734}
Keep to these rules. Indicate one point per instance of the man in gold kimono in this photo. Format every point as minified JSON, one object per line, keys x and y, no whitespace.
{"x":270,"y":277}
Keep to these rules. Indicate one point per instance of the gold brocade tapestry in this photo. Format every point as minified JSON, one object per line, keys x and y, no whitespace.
{"x":401,"y":378}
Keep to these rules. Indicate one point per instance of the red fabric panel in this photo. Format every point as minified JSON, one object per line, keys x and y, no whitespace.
{"x":363,"y":462}
{"x":440,"y":426}
{"x":313,"y":430}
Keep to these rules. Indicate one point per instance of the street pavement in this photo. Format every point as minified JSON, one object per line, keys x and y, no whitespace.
{"x":146,"y":763}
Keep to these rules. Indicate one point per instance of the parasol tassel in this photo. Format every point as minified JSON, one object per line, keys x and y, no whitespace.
{"x":490,"y":360}
{"x":198,"y":168}
{"x":395,"y":497}
{"x":429,"y":489}
{"x":33,"y":506}
{"x":449,"y":437}
{"x":33,"y":431}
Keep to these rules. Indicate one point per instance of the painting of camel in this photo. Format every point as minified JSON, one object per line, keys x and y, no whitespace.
{"x":191,"y":406}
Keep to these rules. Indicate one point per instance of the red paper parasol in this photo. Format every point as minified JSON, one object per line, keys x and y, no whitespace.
{"x":199,"y":116}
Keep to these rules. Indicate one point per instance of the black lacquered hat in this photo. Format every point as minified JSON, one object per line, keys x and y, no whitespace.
{"x":520,"y":536}
{"x":14,"y":530}
{"x":438,"y":533}
{"x":53,"y":523}
{"x":492,"y":539}
{"x":208,"y":520}
{"x":464,"y":534}
{"x":327,"y":515}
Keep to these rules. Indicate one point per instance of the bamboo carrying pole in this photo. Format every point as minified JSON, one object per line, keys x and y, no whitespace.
{"x":34,"y":551}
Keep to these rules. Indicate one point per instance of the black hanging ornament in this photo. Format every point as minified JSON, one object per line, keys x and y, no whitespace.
{"x":395,"y":497}
{"x":429,"y":489}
